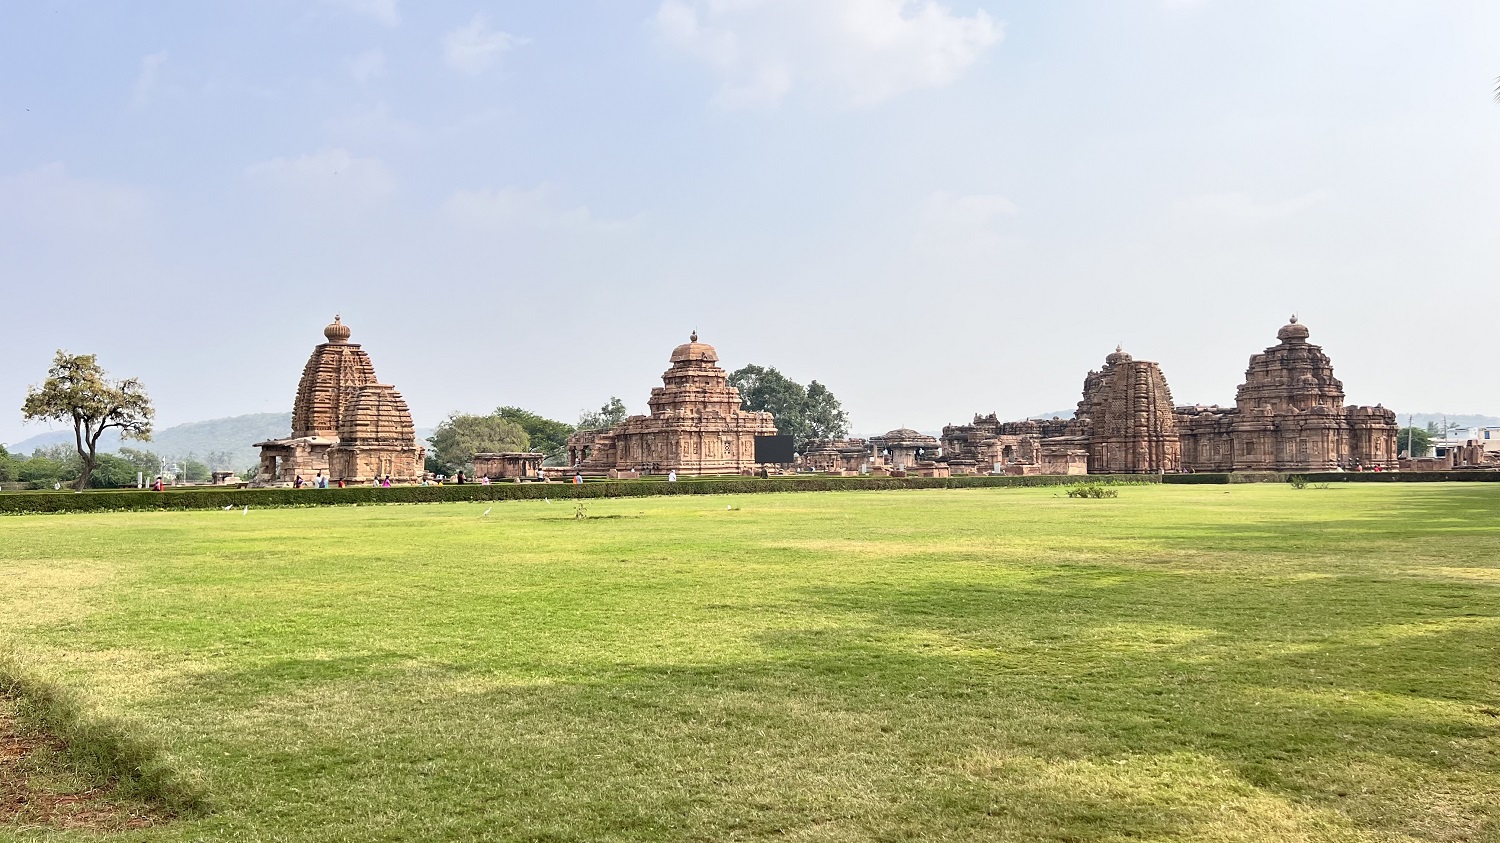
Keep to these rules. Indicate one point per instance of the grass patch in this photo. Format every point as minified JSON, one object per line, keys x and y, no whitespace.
{"x":1219,"y":663}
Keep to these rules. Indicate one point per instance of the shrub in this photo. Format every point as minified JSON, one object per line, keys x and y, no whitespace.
{"x":1092,"y":490}
{"x":1297,"y":481}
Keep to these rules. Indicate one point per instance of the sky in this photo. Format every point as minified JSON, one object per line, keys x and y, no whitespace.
{"x":935,"y":207}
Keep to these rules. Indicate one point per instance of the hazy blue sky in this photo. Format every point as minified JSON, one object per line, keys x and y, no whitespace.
{"x":935,"y":208}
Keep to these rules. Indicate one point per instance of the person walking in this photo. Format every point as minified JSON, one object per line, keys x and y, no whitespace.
{"x":672,"y":476}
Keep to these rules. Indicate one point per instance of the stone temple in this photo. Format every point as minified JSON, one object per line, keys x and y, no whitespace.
{"x":1289,"y":415}
{"x":696,"y":425}
{"x":1127,"y":418}
{"x":1125,"y":424}
{"x":345,"y":424}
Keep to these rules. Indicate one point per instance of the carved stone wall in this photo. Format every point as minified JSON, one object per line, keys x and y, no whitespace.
{"x":376,"y":439}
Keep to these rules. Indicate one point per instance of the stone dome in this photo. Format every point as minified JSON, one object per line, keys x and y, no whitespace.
{"x":338,"y":331}
{"x":694,"y":351}
{"x":1118,"y":357}
{"x":1292,"y":331}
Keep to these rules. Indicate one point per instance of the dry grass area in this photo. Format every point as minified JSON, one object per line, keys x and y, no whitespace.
{"x":41,"y":790}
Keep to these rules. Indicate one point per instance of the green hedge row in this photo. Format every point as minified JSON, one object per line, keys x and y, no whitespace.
{"x":138,"y":501}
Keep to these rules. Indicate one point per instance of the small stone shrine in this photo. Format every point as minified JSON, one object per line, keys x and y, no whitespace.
{"x":903,"y":449}
{"x":1289,"y":415}
{"x":345,"y":424}
{"x":696,"y":425}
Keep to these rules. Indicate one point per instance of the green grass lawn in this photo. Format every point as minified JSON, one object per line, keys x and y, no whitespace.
{"x":1202,"y":663}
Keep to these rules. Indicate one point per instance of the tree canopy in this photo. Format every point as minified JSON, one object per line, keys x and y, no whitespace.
{"x":805,"y":413}
{"x":1416,"y":440}
{"x":459,"y":437}
{"x":545,"y":435}
{"x":611,"y":414}
{"x":78,"y":390}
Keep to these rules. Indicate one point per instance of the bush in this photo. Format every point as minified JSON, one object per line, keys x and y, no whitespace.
{"x":211,"y":498}
{"x":1297,"y":481}
{"x":1092,"y":490}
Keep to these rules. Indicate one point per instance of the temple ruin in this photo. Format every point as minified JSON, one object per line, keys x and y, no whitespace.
{"x":1289,"y":415}
{"x":345,"y":424}
{"x":696,"y":425}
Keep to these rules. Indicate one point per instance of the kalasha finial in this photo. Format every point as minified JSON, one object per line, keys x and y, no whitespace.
{"x":337,"y":332}
{"x":1119,"y":347}
{"x":1294,"y":318}
{"x":694,"y":337}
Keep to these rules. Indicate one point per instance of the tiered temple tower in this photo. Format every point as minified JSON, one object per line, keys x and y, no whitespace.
{"x":696,"y":425}
{"x":1127,"y":415}
{"x":345,"y":424}
{"x":1289,"y":415}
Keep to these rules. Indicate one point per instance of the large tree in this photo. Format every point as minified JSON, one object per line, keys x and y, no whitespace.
{"x":77,"y":390}
{"x":1416,"y":441}
{"x":546,"y":436}
{"x":804,"y":413}
{"x":459,"y":437}
{"x":608,"y":416}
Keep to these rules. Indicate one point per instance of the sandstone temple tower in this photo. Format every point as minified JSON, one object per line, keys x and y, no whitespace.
{"x":345,"y":424}
{"x":1128,"y":419}
{"x":696,"y":425}
{"x":1289,"y":415}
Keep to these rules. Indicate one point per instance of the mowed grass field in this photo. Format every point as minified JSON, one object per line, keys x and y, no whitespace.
{"x":1204,"y":663}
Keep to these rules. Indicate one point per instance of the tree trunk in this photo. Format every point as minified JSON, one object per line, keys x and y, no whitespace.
{"x":87,"y":456}
{"x":90,"y":457}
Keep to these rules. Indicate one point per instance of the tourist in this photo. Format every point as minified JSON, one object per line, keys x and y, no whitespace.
{"x":386,"y":483}
{"x":157,"y":485}
{"x":460,"y":477}
{"x":672,"y":476}
{"x":297,"y":482}
{"x":578,"y":479}
{"x":341,"y":482}
{"x":485,"y":480}
{"x":320,"y":481}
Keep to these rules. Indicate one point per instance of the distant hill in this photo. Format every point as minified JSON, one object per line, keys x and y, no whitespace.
{"x":1460,"y":420}
{"x":232,"y":440}
{"x":233,"y":437}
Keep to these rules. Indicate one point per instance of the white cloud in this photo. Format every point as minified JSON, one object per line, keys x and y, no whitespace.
{"x":330,"y":180}
{"x":473,"y":48}
{"x":383,"y":12}
{"x":1242,"y":206}
{"x":862,"y":51}
{"x":145,"y":79}
{"x":512,"y":207}
{"x":366,"y":66}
